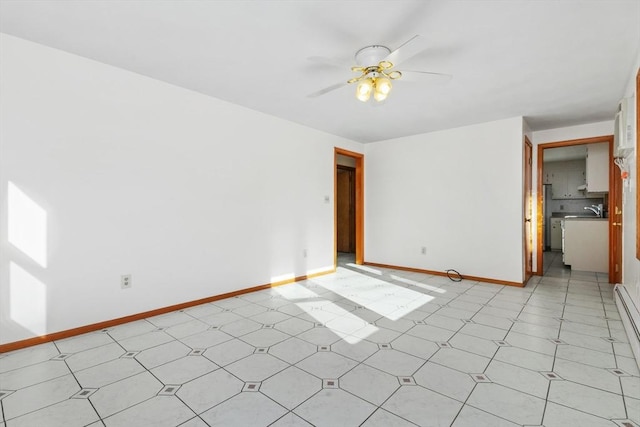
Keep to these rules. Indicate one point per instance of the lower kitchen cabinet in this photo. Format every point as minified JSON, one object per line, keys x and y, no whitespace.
{"x":556,"y":234}
{"x":586,"y":244}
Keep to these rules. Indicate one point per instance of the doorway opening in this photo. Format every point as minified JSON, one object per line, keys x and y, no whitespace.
{"x":349,"y":206}
{"x":553,"y":206}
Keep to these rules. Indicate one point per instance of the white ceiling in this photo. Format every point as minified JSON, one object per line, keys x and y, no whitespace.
{"x":558,"y":62}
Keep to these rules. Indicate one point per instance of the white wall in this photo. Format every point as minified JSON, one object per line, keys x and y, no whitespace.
{"x":573,"y":132}
{"x":457,"y":192}
{"x":192,"y":196}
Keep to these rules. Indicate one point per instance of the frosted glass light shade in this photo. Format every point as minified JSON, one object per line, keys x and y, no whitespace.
{"x":364,"y":88}
{"x":382,"y":88}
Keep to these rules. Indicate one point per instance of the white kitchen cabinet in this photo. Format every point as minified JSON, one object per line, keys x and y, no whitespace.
{"x":556,"y":234}
{"x":586,"y":244}
{"x":597,"y":168}
{"x":565,"y":183}
{"x":565,"y":177}
{"x":559,"y":185}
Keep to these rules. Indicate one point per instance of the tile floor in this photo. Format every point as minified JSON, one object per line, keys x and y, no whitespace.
{"x":361,"y":347}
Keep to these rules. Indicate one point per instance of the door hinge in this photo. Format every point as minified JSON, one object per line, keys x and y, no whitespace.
{"x":617,"y":268}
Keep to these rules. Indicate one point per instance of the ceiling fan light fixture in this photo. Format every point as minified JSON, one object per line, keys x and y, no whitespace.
{"x":379,"y":96}
{"x":395,"y":75}
{"x":382,"y":88}
{"x":364,"y":89}
{"x":383,"y":85}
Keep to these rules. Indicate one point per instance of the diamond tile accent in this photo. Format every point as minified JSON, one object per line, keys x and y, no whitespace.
{"x":84,"y":393}
{"x":129,"y":355}
{"x":62,"y":356}
{"x":264,"y":354}
{"x":406,"y":381}
{"x":251,"y":386}
{"x":330,"y":383}
{"x":480,"y":378}
{"x":619,"y":372}
{"x":169,"y":390}
{"x":551,"y":376}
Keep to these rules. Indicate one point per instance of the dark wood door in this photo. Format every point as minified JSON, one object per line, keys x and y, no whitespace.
{"x":346,"y":212}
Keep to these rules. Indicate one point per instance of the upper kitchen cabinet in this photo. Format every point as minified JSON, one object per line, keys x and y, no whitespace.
{"x":597,"y":168}
{"x":565,"y":178}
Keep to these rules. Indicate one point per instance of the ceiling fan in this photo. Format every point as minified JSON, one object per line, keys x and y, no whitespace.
{"x":375,"y":65}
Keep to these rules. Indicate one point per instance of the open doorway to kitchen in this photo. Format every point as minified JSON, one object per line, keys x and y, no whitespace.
{"x":564,"y":194}
{"x":349,"y":206}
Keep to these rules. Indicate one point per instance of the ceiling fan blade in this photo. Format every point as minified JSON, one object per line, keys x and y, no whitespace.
{"x":327,"y":90}
{"x":408,"y":49}
{"x":426,"y":74}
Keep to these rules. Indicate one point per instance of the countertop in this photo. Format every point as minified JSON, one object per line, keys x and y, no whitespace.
{"x":580,"y":215}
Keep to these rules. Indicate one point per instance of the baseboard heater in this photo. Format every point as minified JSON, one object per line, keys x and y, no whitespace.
{"x":630,"y":316}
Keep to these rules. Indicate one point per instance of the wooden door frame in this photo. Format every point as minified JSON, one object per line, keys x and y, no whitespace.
{"x":528,"y":181}
{"x":612,"y":196}
{"x":359,"y":158}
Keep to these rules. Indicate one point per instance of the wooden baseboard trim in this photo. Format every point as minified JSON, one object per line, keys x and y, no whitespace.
{"x":139,"y":316}
{"x":442,"y":273}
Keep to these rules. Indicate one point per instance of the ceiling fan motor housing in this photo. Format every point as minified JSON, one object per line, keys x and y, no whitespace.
{"x":371,"y":55}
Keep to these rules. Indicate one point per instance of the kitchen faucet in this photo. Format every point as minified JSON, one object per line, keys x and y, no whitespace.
{"x":596,"y":209}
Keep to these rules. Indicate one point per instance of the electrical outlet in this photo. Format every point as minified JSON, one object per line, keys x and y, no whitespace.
{"x":423,"y":251}
{"x":304,"y":253}
{"x":125,"y":281}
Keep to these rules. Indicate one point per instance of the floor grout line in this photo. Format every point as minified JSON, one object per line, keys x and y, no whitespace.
{"x":576,"y":294}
